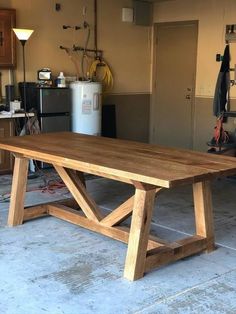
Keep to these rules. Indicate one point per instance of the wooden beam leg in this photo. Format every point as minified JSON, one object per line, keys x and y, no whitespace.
{"x":78,"y":191}
{"x":16,"y":210}
{"x":203,"y":213}
{"x":119,"y":214}
{"x":139,"y":233}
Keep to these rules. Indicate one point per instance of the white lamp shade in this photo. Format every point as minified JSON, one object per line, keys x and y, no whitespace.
{"x":22,"y":34}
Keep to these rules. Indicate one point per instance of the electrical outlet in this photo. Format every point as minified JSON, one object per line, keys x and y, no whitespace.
{"x":218,"y":57}
{"x":58,"y":7}
{"x":234,"y":121}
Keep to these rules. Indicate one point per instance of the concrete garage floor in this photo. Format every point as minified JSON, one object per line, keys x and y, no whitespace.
{"x":50,"y":266}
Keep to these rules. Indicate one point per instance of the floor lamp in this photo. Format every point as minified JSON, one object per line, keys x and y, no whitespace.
{"x":23,"y":35}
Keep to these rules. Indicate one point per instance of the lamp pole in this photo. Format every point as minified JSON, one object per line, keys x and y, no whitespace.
{"x":24,"y":81}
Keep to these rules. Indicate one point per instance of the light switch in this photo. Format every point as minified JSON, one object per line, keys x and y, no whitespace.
{"x":127,"y":15}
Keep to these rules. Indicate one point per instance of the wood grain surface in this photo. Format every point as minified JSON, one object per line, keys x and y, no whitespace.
{"x":122,"y":160}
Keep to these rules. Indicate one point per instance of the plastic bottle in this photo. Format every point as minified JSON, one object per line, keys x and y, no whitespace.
{"x":61,"y":81}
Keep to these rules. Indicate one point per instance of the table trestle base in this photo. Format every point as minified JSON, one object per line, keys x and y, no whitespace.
{"x":145,"y":251}
{"x":159,"y":252}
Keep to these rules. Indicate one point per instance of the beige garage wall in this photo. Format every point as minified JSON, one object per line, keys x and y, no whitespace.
{"x":213,"y":15}
{"x":126,"y":46}
{"x":127,"y":49}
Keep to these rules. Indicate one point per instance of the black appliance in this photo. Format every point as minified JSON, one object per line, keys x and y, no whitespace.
{"x":53,"y":107}
{"x":52,"y":104}
{"x":109,"y":121}
{"x":30,"y":94}
{"x":10,"y":94}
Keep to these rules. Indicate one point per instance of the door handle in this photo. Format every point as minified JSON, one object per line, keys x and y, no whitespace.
{"x":188,"y":97}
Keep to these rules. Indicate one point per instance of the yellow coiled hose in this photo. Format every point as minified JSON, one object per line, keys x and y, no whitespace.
{"x":100,"y":71}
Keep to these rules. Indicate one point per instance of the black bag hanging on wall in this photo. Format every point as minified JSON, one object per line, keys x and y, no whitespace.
{"x":221,"y":97}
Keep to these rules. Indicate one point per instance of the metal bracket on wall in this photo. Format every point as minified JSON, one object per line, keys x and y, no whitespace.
{"x":77,"y":48}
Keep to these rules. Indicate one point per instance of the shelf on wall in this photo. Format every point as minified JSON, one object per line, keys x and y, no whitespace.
{"x":229,"y":114}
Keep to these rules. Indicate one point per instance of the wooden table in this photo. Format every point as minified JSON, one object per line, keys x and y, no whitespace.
{"x":148,"y":168}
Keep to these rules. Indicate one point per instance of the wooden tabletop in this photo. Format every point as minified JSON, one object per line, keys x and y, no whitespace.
{"x":128,"y":160}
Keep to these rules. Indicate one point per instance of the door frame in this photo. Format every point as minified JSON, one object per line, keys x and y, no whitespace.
{"x":153,"y":99}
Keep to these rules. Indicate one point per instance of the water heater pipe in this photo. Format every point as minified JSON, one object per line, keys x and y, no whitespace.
{"x":95,"y":28}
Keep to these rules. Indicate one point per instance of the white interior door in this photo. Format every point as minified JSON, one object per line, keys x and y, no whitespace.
{"x":174,"y":81}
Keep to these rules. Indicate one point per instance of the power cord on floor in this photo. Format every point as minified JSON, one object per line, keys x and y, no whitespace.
{"x":51,"y":184}
{"x":51,"y":181}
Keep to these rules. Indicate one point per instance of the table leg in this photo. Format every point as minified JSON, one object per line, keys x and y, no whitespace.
{"x":203,"y":213}
{"x":16,"y":210}
{"x":139,"y":233}
{"x":81,"y":177}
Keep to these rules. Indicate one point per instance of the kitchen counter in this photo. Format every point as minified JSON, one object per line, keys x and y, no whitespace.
{"x":10,"y":115}
{"x":7,"y":129}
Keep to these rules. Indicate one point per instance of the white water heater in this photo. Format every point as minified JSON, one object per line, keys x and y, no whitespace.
{"x":86,"y":107}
